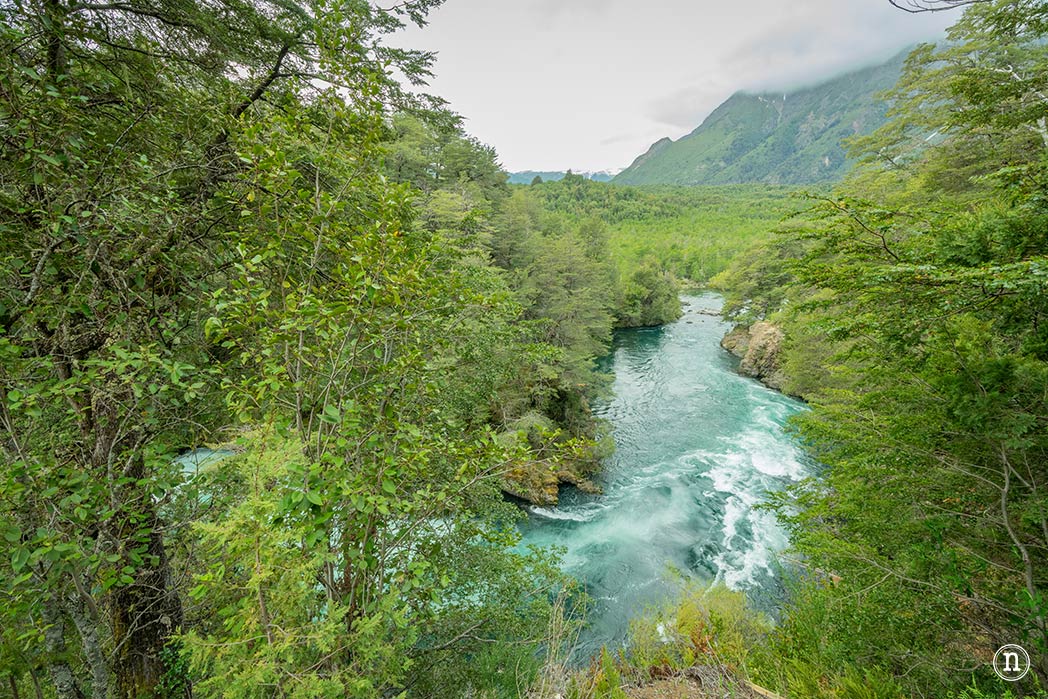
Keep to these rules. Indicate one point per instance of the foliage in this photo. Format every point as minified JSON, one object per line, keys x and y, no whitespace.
{"x":558,"y":290}
{"x":201,"y":243}
{"x":703,"y":625}
{"x":707,"y":228}
{"x":691,"y":232}
{"x":649,"y":297}
{"x":226,"y":224}
{"x":918,"y":292}
{"x":607,"y":682}
{"x":990,"y":67}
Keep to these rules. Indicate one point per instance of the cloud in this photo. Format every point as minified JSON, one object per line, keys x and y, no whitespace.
{"x":549,"y":13}
{"x":822,"y":39}
{"x":687,"y":107}
{"x":807,"y":44}
{"x":618,"y":138}
{"x":566,"y":82}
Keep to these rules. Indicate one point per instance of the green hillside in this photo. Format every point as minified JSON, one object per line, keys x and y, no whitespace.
{"x":692,"y":232}
{"x":792,"y":138}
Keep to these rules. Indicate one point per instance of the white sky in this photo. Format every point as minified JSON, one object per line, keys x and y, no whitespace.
{"x":590,"y":84}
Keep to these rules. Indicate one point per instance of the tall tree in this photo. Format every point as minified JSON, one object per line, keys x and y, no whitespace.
{"x":118,"y":190}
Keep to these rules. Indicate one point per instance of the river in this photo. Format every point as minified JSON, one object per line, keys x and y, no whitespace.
{"x":697,"y":446}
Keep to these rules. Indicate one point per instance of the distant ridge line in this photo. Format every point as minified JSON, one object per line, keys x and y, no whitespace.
{"x":792,"y":137}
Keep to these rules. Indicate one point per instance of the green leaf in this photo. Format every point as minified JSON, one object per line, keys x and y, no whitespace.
{"x":19,"y":557}
{"x":331,"y":415}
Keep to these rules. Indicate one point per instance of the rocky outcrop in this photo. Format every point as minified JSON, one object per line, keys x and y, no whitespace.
{"x":538,"y":484}
{"x":737,"y":341}
{"x":538,"y":480}
{"x":759,"y":346}
{"x":532,"y":483}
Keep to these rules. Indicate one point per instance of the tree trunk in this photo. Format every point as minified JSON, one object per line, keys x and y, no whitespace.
{"x":37,"y":689}
{"x":54,"y":642}
{"x":146,"y":613}
{"x":87,"y":626}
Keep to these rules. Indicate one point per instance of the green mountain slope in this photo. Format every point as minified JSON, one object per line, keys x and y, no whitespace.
{"x":792,"y":138}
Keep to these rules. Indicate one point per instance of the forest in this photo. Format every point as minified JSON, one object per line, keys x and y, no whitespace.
{"x":913,"y":301}
{"x":228,"y":226}
{"x":281,"y":352}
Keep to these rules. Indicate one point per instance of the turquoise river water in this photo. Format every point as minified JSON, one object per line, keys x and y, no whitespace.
{"x":697,"y":446}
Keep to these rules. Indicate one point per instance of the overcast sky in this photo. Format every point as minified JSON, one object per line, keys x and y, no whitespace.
{"x":590,"y":84}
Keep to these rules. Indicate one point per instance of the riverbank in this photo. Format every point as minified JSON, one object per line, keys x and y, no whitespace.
{"x":698,"y":447}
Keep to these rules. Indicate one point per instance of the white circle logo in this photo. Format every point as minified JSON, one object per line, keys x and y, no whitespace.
{"x":1011,"y":662}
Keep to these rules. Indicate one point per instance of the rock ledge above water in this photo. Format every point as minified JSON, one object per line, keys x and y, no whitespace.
{"x":759,"y":346}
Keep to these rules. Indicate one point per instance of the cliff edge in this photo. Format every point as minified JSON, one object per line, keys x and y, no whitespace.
{"x":759,"y":347}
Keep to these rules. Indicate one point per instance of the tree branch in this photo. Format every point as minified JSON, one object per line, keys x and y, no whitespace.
{"x":260,"y":90}
{"x":917,"y":6}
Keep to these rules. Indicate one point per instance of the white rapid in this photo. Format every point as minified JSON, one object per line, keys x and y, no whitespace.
{"x":697,"y":447}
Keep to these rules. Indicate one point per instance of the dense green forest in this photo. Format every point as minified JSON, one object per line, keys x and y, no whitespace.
{"x":278,"y":338}
{"x":219,"y":231}
{"x":914,"y":299}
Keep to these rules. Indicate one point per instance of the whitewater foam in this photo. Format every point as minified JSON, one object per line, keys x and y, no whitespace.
{"x":698,"y":448}
{"x":554,"y":513}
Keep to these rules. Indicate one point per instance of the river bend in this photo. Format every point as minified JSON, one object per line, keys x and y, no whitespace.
{"x":697,"y":447}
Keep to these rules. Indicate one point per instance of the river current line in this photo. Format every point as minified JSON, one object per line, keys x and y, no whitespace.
{"x":697,"y":447}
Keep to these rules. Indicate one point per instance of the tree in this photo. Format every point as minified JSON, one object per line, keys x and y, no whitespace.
{"x":924,"y":294}
{"x":371,"y":537}
{"x":120,"y":188}
{"x":972,"y":107}
{"x":917,"y":6}
{"x":649,"y":298}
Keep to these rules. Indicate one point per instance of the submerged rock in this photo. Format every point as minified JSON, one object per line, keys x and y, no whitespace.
{"x":759,"y":346}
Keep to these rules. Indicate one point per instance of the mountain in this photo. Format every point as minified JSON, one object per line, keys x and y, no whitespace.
{"x":792,"y":138}
{"x":526,"y":176}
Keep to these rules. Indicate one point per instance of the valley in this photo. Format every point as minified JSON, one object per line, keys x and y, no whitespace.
{"x":304,"y":395}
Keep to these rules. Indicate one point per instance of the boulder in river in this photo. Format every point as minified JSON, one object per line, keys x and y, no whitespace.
{"x":532,"y":483}
{"x":537,"y":481}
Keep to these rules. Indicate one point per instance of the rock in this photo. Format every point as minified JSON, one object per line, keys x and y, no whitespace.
{"x":537,"y":484}
{"x":737,"y":341}
{"x":534,"y":483}
{"x":582,"y":483}
{"x":759,"y":346}
{"x":761,"y":360}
